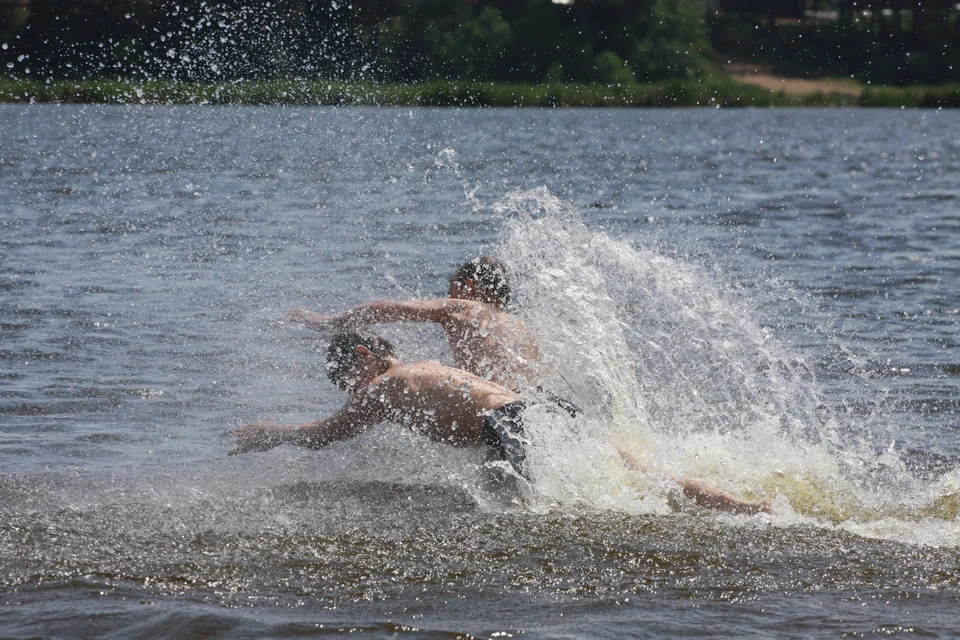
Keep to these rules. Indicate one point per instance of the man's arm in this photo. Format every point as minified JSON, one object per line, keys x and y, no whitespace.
{"x":381,"y":312}
{"x":704,"y":494}
{"x":713,"y":498}
{"x":347,"y":423}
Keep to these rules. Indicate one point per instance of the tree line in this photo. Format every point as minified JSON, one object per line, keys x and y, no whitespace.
{"x":504,"y":41}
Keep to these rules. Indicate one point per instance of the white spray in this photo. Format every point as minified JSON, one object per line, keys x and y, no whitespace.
{"x":671,"y":367}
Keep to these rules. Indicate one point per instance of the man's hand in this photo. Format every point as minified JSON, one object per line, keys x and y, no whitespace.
{"x":259,"y":436}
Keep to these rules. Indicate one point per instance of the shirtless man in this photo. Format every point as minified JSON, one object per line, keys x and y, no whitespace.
{"x":484,"y":339}
{"x":447,"y":405}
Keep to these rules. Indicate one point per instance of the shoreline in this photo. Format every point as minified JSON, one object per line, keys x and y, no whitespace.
{"x":737,"y":90}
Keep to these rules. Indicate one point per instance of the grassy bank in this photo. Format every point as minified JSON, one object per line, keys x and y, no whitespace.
{"x":727,"y":93}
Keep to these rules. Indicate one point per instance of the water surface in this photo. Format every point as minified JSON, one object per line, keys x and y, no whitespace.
{"x":767,"y":299}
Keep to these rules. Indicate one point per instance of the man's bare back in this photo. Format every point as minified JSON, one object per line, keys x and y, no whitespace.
{"x":444,"y":404}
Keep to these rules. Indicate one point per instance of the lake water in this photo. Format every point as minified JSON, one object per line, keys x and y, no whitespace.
{"x":765,"y":299}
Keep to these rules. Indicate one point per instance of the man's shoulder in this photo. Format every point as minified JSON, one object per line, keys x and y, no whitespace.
{"x":425,"y":373}
{"x":407,"y":368}
{"x":401,"y":370}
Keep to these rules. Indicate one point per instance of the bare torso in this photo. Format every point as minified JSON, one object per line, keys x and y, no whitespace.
{"x":491,"y":343}
{"x":445,"y":404}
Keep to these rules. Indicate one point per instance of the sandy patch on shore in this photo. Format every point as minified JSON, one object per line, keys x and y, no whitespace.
{"x":799,"y":86}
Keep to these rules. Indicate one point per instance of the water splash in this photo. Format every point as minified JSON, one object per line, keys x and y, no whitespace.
{"x":674,"y":367}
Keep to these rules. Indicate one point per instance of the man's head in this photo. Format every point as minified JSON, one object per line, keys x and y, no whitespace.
{"x":350,"y":351}
{"x":481,"y":279}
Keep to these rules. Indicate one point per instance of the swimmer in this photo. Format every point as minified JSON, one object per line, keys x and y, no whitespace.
{"x":442,"y":403}
{"x":447,"y":405}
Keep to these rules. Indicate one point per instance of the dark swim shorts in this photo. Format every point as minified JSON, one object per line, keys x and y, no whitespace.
{"x":503,"y":430}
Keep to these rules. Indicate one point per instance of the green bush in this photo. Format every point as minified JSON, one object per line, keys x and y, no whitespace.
{"x":671,"y":93}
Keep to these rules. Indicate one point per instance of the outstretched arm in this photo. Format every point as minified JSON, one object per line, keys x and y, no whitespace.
{"x":380,"y":312}
{"x":702,"y":493}
{"x":713,"y":498}
{"x":263,"y":436}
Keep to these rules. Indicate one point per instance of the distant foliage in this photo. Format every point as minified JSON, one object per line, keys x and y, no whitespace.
{"x":612,"y":42}
{"x":675,"y":43}
{"x":518,"y":41}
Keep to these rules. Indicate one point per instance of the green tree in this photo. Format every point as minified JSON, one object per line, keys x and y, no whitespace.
{"x":675,"y":45}
{"x":534,"y":55}
{"x":476,"y":50}
{"x":611,"y":69}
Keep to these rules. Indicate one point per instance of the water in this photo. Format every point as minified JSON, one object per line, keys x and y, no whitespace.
{"x":764,"y":299}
